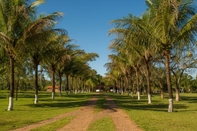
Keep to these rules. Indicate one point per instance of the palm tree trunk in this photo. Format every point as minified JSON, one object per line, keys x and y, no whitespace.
{"x":60,"y":85}
{"x":114,"y":88}
{"x":177,"y":92}
{"x":67,"y":85}
{"x":129,"y":86}
{"x":168,"y":76}
{"x":162,"y":90}
{"x":75,"y":84}
{"x":36,"y":84}
{"x":41,"y":85}
{"x":137,"y":82}
{"x":148,"y":83}
{"x":72,"y":86}
{"x":121,"y":85}
{"x":133,"y":89}
{"x":17,"y":85}
{"x":53,"y":85}
{"x":83,"y":86}
{"x":11,"y":97}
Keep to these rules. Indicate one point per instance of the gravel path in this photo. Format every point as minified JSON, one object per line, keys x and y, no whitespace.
{"x":85,"y":115}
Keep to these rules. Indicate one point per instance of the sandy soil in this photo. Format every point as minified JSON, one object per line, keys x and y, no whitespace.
{"x":85,"y":115}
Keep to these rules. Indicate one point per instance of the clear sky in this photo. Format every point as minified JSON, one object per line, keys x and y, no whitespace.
{"x":88,"y":23}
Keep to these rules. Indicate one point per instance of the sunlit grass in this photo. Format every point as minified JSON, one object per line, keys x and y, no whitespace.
{"x":55,"y":125}
{"x":103,"y":124}
{"x":154,"y":117}
{"x":149,"y":117}
{"x":25,"y":112}
{"x":100,"y":104}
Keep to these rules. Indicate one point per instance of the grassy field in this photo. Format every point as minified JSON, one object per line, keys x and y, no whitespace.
{"x":103,"y":124}
{"x":25,"y":112}
{"x":154,"y":117}
{"x":55,"y":125}
{"x":149,"y":117}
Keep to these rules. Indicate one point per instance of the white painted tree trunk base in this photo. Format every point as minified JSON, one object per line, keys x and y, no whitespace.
{"x":60,"y":94}
{"x":149,"y":99}
{"x":121,"y":91}
{"x":132,"y":94}
{"x":53,"y":95}
{"x":177,"y":96}
{"x":138,"y":95}
{"x":10,"y":106}
{"x":170,"y":107}
{"x":36,"y":99}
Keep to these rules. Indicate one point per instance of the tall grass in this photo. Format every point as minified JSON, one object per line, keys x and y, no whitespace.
{"x":154,"y":117}
{"x":25,"y":112}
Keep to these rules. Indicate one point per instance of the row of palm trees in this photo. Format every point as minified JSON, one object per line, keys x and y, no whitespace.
{"x":164,"y":37}
{"x":28,"y":38}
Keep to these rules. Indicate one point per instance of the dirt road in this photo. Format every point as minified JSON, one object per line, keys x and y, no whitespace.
{"x":85,"y":115}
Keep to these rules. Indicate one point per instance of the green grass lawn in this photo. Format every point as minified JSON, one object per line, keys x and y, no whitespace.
{"x":154,"y":117}
{"x":25,"y":112}
{"x":149,"y":117}
{"x":103,"y":124}
{"x":55,"y":125}
{"x":100,"y":104}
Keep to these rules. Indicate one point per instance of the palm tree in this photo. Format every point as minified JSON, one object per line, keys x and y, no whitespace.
{"x":16,"y":27}
{"x":65,"y":67}
{"x":73,"y":68}
{"x":124,"y":50}
{"x":37,"y":49}
{"x":159,"y":78}
{"x":180,"y":62}
{"x":91,"y":80}
{"x":57,"y":53}
{"x":174,"y":23}
{"x":130,"y":30}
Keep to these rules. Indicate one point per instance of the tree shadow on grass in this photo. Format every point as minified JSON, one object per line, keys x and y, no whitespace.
{"x":189,"y":99}
{"x":60,"y":104}
{"x":32,"y":95}
{"x":152,"y":107}
{"x":157,"y":105}
{"x":3,"y":97}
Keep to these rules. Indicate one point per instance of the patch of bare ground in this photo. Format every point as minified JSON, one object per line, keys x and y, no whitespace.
{"x":85,"y":115}
{"x":120,"y":118}
{"x":83,"y":118}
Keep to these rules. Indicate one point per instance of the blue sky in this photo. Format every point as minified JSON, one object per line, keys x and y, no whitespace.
{"x":88,"y":23}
